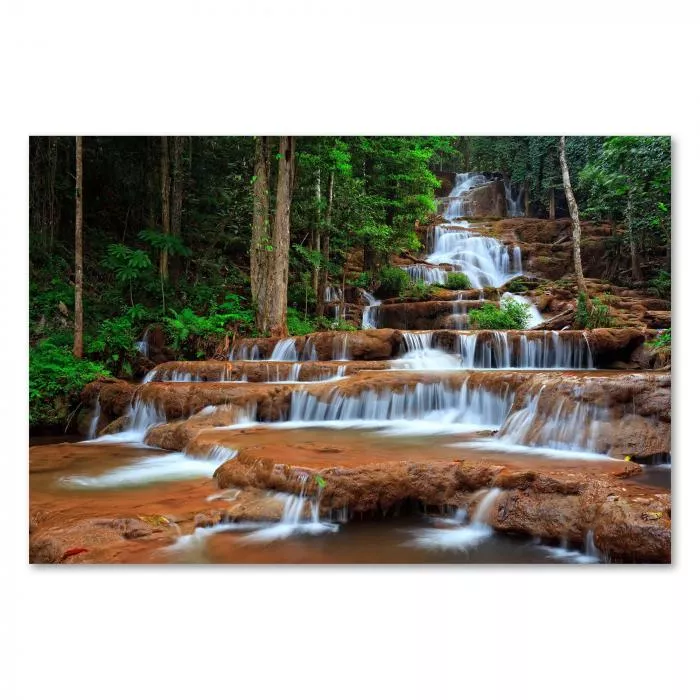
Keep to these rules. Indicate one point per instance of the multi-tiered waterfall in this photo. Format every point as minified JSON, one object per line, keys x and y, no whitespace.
{"x":457,"y":246}
{"x":449,"y":417}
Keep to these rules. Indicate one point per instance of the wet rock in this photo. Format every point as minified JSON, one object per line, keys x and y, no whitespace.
{"x":45,"y":550}
{"x":614,"y":344}
{"x":486,"y":200}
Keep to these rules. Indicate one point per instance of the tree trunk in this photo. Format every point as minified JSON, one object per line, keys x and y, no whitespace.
{"x":176,"y":201}
{"x":631,"y":239}
{"x":260,"y":238}
{"x":325,"y":248}
{"x":279,"y":267}
{"x":165,"y":202}
{"x":78,"y":336}
{"x":53,"y":213}
{"x":573,"y":210}
{"x":315,"y":242}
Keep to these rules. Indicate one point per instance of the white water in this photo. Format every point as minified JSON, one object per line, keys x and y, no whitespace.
{"x":370,"y":313}
{"x":497,"y":350}
{"x":461,"y":538}
{"x":340,"y":347}
{"x":486,"y":261}
{"x":142,"y":345}
{"x":94,"y":420}
{"x":435,"y":403}
{"x":514,"y":205}
{"x":294,"y":521}
{"x":169,"y":466}
{"x":535,"y":317}
{"x":285,"y":351}
{"x":559,"y":428}
{"x":245,"y":352}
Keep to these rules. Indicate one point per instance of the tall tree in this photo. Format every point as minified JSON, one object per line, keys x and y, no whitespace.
{"x":573,"y":210}
{"x":78,"y":335}
{"x":279,"y":255}
{"x":260,"y":236}
{"x":165,"y":203}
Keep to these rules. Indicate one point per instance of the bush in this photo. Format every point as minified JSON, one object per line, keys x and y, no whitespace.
{"x":417,"y":290}
{"x":516,"y":287}
{"x":393,"y":281}
{"x":297,"y":324}
{"x":662,"y":340}
{"x":457,"y":280}
{"x":661,"y":284}
{"x":597,"y":316}
{"x":511,"y":315}
{"x":364,"y":280}
{"x":56,"y":379}
{"x":188,"y":330}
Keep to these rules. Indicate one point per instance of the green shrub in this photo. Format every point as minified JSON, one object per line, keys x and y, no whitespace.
{"x":516,"y":287}
{"x":363,"y":280}
{"x":322,"y":323}
{"x":661,"y":284}
{"x":56,"y":379}
{"x":417,"y":290}
{"x":511,"y":315}
{"x":393,"y":281}
{"x":457,"y":280}
{"x":662,"y":340}
{"x":195,"y":333}
{"x":297,"y":324}
{"x":595,"y":316}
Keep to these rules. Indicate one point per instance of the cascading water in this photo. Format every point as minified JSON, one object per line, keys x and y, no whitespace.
{"x":438,"y":402}
{"x":340,"y":347}
{"x":571,"y":427}
{"x":486,"y":261}
{"x":294,"y":520}
{"x":285,"y":351}
{"x":461,"y":538}
{"x":512,"y":350}
{"x":514,"y":205}
{"x":94,"y":420}
{"x":370,"y":313}
{"x":497,"y":350}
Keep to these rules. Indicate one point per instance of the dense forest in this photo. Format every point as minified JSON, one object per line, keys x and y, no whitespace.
{"x":213,"y":238}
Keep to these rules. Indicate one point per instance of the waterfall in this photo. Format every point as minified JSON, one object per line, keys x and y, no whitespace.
{"x":557,"y":427}
{"x":461,"y":538}
{"x":308,"y":353}
{"x":436,"y":402}
{"x":513,"y":204}
{"x":142,"y":345}
{"x":285,"y":351}
{"x":463,"y":183}
{"x":370,"y":313}
{"x":340,"y":347}
{"x":486,"y":261}
{"x":142,"y":416}
{"x":94,"y":420}
{"x":294,"y":520}
{"x":245,"y":353}
{"x":513,"y":350}
{"x":417,"y":341}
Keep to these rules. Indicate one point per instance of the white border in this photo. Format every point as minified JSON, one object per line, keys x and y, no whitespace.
{"x":361,"y":67}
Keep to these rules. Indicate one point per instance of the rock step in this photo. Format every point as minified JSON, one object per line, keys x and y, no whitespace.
{"x":620,"y":413}
{"x":628,"y":523}
{"x":259,"y":370}
{"x":606,"y":344}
